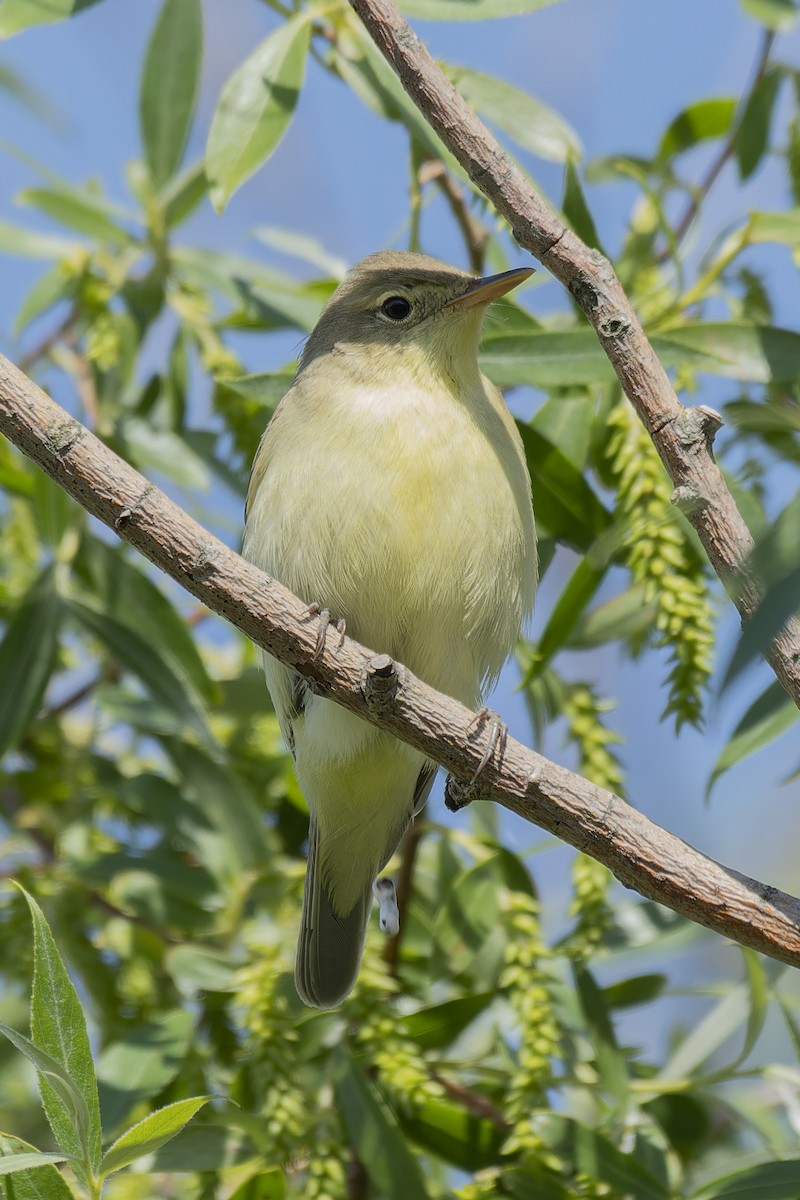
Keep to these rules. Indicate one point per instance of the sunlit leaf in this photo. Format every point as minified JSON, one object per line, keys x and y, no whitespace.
{"x":778,"y":15}
{"x":769,"y":1181}
{"x":42,"y":1183}
{"x":765,"y":720}
{"x":170,"y":79}
{"x":149,"y":1134}
{"x":530,"y":123}
{"x":255,"y":108}
{"x":16,"y":15}
{"x":703,"y":120}
{"x":470,"y":10}
{"x":752,"y":135}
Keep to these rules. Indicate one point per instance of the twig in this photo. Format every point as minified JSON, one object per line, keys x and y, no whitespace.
{"x":682,"y":436}
{"x":29,"y":360}
{"x":641,"y":854}
{"x":725,"y":153}
{"x":474,"y":1103}
{"x":474,"y":234}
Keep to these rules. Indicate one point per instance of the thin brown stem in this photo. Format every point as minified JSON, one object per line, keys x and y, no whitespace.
{"x":474,"y":235}
{"x":405,"y":886}
{"x":701,"y":191}
{"x":28,"y":361}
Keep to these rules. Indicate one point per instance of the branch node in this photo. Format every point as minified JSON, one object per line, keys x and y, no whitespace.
{"x":381,"y":681}
{"x":688,"y":500}
{"x":614,"y":327}
{"x":65,"y":437}
{"x":203,"y":566}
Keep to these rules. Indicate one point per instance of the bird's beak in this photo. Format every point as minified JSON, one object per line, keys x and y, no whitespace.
{"x":482,"y":291}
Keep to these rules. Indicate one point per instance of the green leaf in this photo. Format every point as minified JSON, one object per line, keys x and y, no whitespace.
{"x":143,"y":1063}
{"x":575,"y":208}
{"x":255,"y":108}
{"x":78,"y":209}
{"x":623,"y":616}
{"x":183,"y":194}
{"x":169,"y":84}
{"x":28,"y":243}
{"x":766,"y":719}
{"x":300,"y":245}
{"x":129,"y":596}
{"x":609,"y":1061}
{"x":638,"y":989}
{"x":27,"y":658}
{"x":136,"y":655}
{"x":769,"y":1181}
{"x":733,"y":350}
{"x":564,"y":502}
{"x":153,"y":1131}
{"x":544,"y":360}
{"x":152,"y":449}
{"x":453,"y":1134}
{"x":55,"y":285}
{"x":41,"y":1183}
{"x":701,"y":121}
{"x":470,"y":10}
{"x":60,"y":1094}
{"x":569,"y":608}
{"x":373,"y":1133}
{"x":439,"y":1025}
{"x":530,"y":123}
{"x":16,"y":15}
{"x":752,"y":136}
{"x":589,"y":1152}
{"x":58,"y":1027}
{"x":204,"y":1147}
{"x":26,"y":1162}
{"x":778,"y":15}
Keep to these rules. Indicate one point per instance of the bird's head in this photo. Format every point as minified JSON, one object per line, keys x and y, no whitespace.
{"x":395,"y":307}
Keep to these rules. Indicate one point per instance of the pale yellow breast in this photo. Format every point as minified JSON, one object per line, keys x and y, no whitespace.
{"x":407,"y":512}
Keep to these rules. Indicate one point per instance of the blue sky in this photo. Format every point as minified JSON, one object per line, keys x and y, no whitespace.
{"x":618,"y":70}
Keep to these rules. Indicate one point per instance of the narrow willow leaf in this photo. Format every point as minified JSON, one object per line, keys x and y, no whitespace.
{"x":609,"y":1060}
{"x":79,"y":210}
{"x":143,"y":1064}
{"x":153,"y":1131}
{"x":170,"y":79}
{"x":778,"y":15}
{"x":58,"y":1027}
{"x":255,"y":108}
{"x":701,"y":121}
{"x":530,"y":123}
{"x":765,"y":720}
{"x":27,"y":658}
{"x":575,"y":208}
{"x":440,"y":1024}
{"x":300,"y":245}
{"x":752,"y":136}
{"x":28,"y":243}
{"x":183,"y":194}
{"x":136,"y":655}
{"x":769,"y":1181}
{"x":571,"y":604}
{"x":374,"y":1135}
{"x":16,"y":15}
{"x":452,"y":1134}
{"x":43,"y":1182}
{"x":566,"y":505}
{"x":25,"y":1162}
{"x":590,"y":1152}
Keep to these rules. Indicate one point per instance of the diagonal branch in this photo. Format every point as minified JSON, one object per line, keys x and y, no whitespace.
{"x":641,"y":854}
{"x":682,"y":436}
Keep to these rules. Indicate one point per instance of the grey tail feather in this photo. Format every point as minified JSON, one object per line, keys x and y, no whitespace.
{"x":329,"y":947}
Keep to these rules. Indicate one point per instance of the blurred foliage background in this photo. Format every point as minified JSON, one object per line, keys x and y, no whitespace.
{"x":518,"y":1040}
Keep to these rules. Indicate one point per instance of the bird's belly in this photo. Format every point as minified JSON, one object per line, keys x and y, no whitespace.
{"x":418,"y":542}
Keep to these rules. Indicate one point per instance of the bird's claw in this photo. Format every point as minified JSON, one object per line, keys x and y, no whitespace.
{"x":458,"y":795}
{"x":324,"y":615}
{"x":385,"y":893}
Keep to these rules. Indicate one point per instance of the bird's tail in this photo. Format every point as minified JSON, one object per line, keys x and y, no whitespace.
{"x":330,"y":946}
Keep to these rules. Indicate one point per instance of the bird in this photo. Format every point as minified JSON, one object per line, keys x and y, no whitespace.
{"x":390,"y":489}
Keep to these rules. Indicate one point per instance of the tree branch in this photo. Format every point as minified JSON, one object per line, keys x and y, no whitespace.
{"x":682,"y":436}
{"x":641,"y":855}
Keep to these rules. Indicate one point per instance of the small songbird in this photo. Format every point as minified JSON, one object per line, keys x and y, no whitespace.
{"x":390,"y":489}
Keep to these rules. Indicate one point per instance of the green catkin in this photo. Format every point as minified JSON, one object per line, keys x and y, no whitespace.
{"x":663,"y":563}
{"x":527,"y":988}
{"x":591,"y":881}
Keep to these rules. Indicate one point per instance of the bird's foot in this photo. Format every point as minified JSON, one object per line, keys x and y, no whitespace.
{"x":385,"y":893}
{"x":322,"y":629}
{"x":458,"y":795}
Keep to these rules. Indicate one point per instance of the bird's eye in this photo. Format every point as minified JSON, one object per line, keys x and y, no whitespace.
{"x":396,"y":308}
